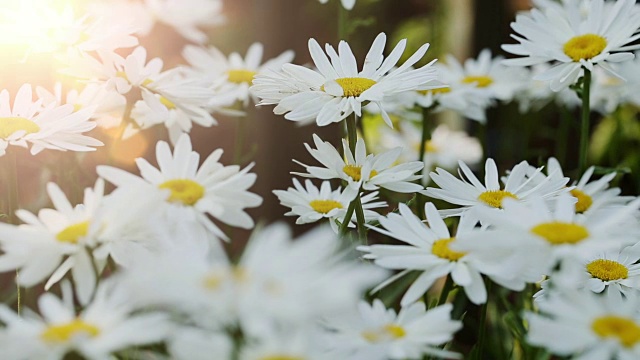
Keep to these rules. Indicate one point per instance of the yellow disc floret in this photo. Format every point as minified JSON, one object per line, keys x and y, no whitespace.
{"x":240,"y":76}
{"x":440,"y":248}
{"x":558,"y":233}
{"x":355,"y":172}
{"x":613,"y":326}
{"x":65,"y":332}
{"x":607,"y":270}
{"x":167,"y":103}
{"x":73,"y":233}
{"x":481,"y":81}
{"x":584,"y":47}
{"x":584,"y":200}
{"x":354,"y":86}
{"x":9,"y":125}
{"x":388,"y":332}
{"x":325,"y":206}
{"x":184,"y":191}
{"x":494,"y":198}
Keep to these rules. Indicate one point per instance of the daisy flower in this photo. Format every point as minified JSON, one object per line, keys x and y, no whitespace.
{"x":573,"y":42}
{"x":369,"y":172}
{"x":311,"y":204}
{"x":193,"y":193}
{"x":191,"y":343}
{"x":53,"y":127}
{"x":471,"y":193}
{"x":180,"y":15}
{"x":587,"y":326}
{"x":347,"y":4}
{"x":237,"y":72}
{"x":541,"y":236}
{"x":608,"y":91}
{"x":338,"y":89}
{"x":105,"y":326}
{"x":378,"y":333}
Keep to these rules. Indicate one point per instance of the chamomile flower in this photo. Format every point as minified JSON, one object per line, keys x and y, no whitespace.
{"x":587,"y":326}
{"x":541,"y":236}
{"x":608,"y":91}
{"x":191,"y":343}
{"x":105,"y":326}
{"x":338,"y":89}
{"x":180,"y":15}
{"x":471,"y":193}
{"x":573,"y":42}
{"x":193,"y":193}
{"x":311,"y":203}
{"x":426,"y":250}
{"x":378,"y":333}
{"x":347,"y":4}
{"x":237,"y":72}
{"x":53,"y":127}
{"x":369,"y":172}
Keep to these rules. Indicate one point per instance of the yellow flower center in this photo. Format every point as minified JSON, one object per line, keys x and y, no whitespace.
{"x":184,"y":191}
{"x":73,"y":233}
{"x":558,"y":233}
{"x":388,"y":332}
{"x":167,"y":103}
{"x":77,"y":107}
{"x":440,"y":248}
{"x":480,"y":80}
{"x":443,"y":90}
{"x":355,"y":172}
{"x":625,"y":330}
{"x":494,"y":197}
{"x":9,"y":125}
{"x":65,"y":332}
{"x":354,"y":86}
{"x":584,"y":200}
{"x":607,"y":270}
{"x":584,"y":47}
{"x":240,"y":76}
{"x":281,"y":357}
{"x":324,"y":206}
{"x":430,"y":147}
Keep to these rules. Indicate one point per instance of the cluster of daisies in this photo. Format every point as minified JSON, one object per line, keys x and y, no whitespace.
{"x":143,"y":271}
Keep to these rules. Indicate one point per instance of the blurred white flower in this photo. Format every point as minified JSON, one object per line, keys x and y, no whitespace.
{"x":347,"y":4}
{"x":608,"y":91}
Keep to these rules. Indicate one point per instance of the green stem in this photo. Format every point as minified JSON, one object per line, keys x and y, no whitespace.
{"x":356,"y":203}
{"x":584,"y":127}
{"x":345,"y":223}
{"x":483,"y":327}
{"x":239,"y":143}
{"x":563,"y":135}
{"x":423,"y":149}
{"x":446,"y":289}
{"x":342,"y":22}
{"x":12,"y":206}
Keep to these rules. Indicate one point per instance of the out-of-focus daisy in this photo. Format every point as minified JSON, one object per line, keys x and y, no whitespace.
{"x":53,"y":127}
{"x":428,"y":251}
{"x":191,"y":343}
{"x":587,"y":326}
{"x":367,"y":171}
{"x":608,"y":91}
{"x":311,"y":204}
{"x":193,"y":193}
{"x":347,"y":4}
{"x":180,"y":15}
{"x":237,"y":72}
{"x":471,"y":193}
{"x":537,"y":93}
{"x":338,"y":89}
{"x":572,"y":41}
{"x":378,"y":333}
{"x":302,"y":342}
{"x":109,"y":105}
{"x":541,"y":236}
{"x":105,"y":326}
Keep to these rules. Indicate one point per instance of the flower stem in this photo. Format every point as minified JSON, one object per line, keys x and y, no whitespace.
{"x":423,"y":148}
{"x":446,"y":289}
{"x":356,"y":203}
{"x":584,"y":127}
{"x":239,"y":143}
{"x":483,"y":325}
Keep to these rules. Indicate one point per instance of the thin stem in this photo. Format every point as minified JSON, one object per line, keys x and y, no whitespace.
{"x":342,"y":22}
{"x":584,"y":127}
{"x":239,"y":143}
{"x":483,"y":320}
{"x":423,"y":149}
{"x":13,"y":204}
{"x":356,"y":203}
{"x":347,"y":217}
{"x":563,"y":135}
{"x":446,"y":289}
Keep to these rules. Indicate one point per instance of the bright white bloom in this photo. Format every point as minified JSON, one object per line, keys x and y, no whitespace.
{"x":109,"y":105}
{"x":587,"y":326}
{"x":471,"y":193}
{"x":574,"y":42}
{"x":190,"y":343}
{"x":347,"y":4}
{"x":302,"y":342}
{"x":104,"y":327}
{"x":338,"y":89}
{"x":53,"y":127}
{"x":378,"y":333}
{"x":540,"y":236}
{"x":237,"y":72}
{"x":537,"y":93}
{"x":187,"y":16}
{"x":193,"y":193}
{"x":426,"y":250}
{"x":369,"y":172}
